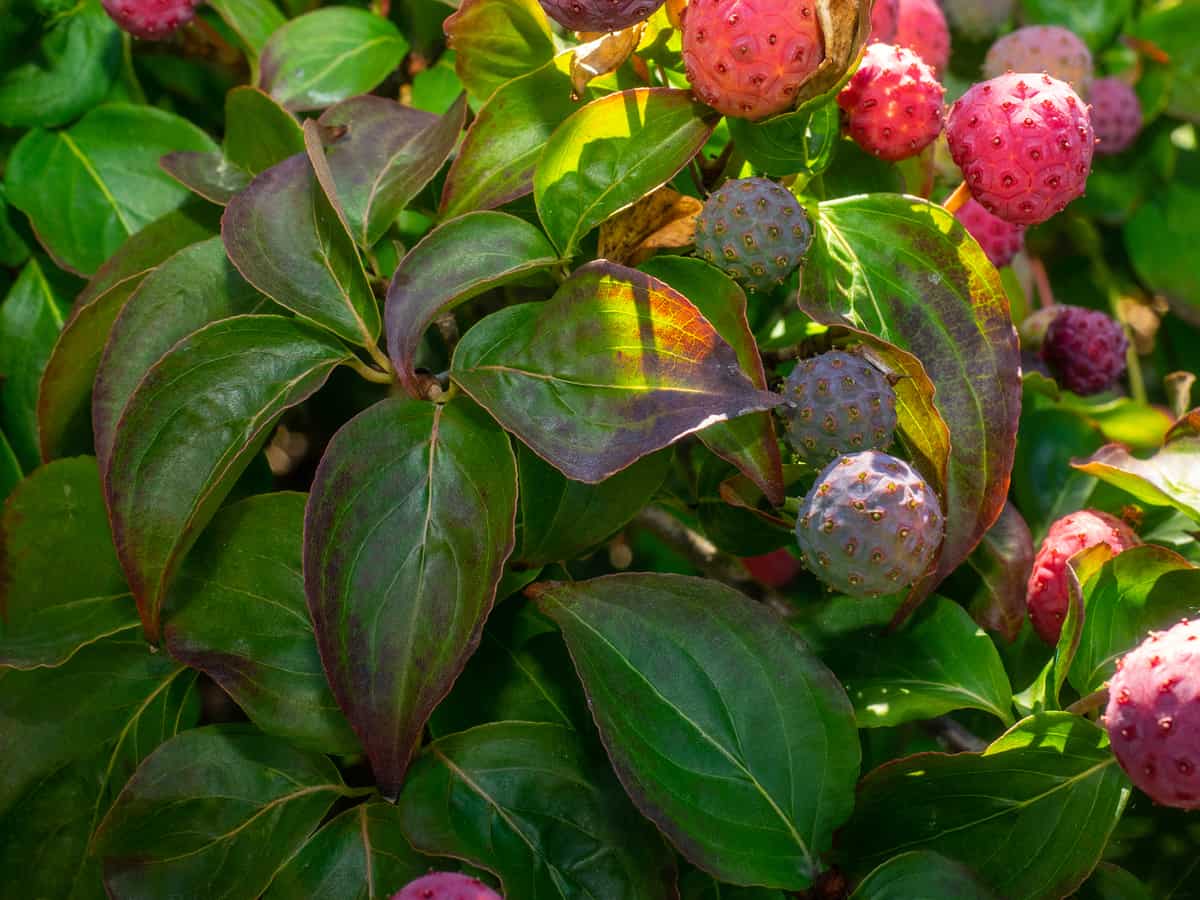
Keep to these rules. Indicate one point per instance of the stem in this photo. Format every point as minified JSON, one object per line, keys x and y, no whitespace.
{"x":699,"y":550}
{"x":1042,"y":280}
{"x":380,"y":359}
{"x":1089,"y":704}
{"x":954,"y":735}
{"x":956,"y":200}
{"x":371,"y":374}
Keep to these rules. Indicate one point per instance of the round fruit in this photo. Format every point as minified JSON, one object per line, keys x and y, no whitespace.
{"x":838,"y":403}
{"x":447,"y":886}
{"x":1045,"y":49}
{"x":921,"y":26}
{"x":599,"y":15}
{"x":748,"y":58}
{"x":1116,"y":115}
{"x":870,"y":526}
{"x":977,"y":19}
{"x":883,"y":21}
{"x":1024,"y":144}
{"x":776,"y":569}
{"x":894,"y":103}
{"x":153,"y":20}
{"x":1047,"y":595}
{"x":755,"y":230}
{"x":1000,"y":240}
{"x":1153,"y":715}
{"x":1085,"y":349}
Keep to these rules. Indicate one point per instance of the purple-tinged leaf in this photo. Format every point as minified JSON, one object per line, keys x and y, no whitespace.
{"x":208,"y":175}
{"x":454,"y":263}
{"x":411,"y":518}
{"x":1003,"y":560}
{"x":1168,"y":478}
{"x":496,"y":41}
{"x":615,"y":366}
{"x":191,"y":428}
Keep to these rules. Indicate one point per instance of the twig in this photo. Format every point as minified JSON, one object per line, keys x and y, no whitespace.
{"x":699,"y":550}
{"x":1089,"y":704}
{"x":956,"y":200}
{"x":954,"y":736}
{"x":1042,"y":280}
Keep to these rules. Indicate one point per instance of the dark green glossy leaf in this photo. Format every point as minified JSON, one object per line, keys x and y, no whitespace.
{"x":456,"y":262}
{"x":923,"y":875}
{"x":374,"y":156}
{"x":904,"y":270}
{"x":10,"y":468}
{"x":697,"y":885}
{"x":361,"y":855}
{"x":496,"y":41}
{"x":1111,"y":882}
{"x":632,"y":361}
{"x":191,"y":429}
{"x":788,"y":145}
{"x":117,"y":185}
{"x":525,"y":801}
{"x":61,"y":587}
{"x":1003,"y":561}
{"x":213,"y":812}
{"x":286,"y":240}
{"x":254,"y":21}
{"x":194,"y":288}
{"x":328,"y":55}
{"x":1044,"y":486}
{"x":719,"y":721}
{"x":1169,"y":478}
{"x":1157,"y":248}
{"x":409,"y":524}
{"x":1024,"y":799}
{"x":1174,"y":30}
{"x":612,"y":153}
{"x":237,"y":612}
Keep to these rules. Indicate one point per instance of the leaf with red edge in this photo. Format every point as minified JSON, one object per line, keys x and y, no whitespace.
{"x":1169,"y":478}
{"x":411,"y":518}
{"x":496,"y":41}
{"x":615,"y":366}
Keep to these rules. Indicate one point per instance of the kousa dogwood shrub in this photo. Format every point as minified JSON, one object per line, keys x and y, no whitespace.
{"x":553,"y":450}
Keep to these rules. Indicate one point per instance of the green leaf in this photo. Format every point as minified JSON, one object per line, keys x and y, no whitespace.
{"x":254,"y":21}
{"x":61,"y":587}
{"x":697,"y":885}
{"x":632,"y":362}
{"x":192,"y":427}
{"x":1096,"y":23}
{"x":237,"y":612}
{"x":749,"y":442}
{"x":562,"y":519}
{"x":701,"y":693}
{"x":328,"y":55}
{"x":10,"y":468}
{"x":526,"y":802}
{"x":496,"y":41}
{"x":1003,"y":561}
{"x":31,"y":317}
{"x":1111,"y":882}
{"x":374,"y":156}
{"x":940,"y":662}
{"x":207,"y":175}
{"x":1174,"y":30}
{"x":214,"y":812}
{"x":1044,"y":486}
{"x":1026,"y":799}
{"x":117,"y":187}
{"x":71,"y":70}
{"x":408,"y":527}
{"x":787,"y":145}
{"x":612,"y":153}
{"x":195,"y":287}
{"x":496,"y":161}
{"x":460,"y":260}
{"x":1142,"y":589}
{"x":923,"y":875}
{"x":51,"y":717}
{"x":905,"y":270}
{"x":286,"y":240}
{"x":360,"y":855}
{"x":1168,"y":478}
{"x":1157,"y":249}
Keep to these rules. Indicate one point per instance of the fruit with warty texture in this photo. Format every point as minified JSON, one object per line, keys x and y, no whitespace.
{"x":1153,"y":715}
{"x":1116,"y":115}
{"x":870,"y":525}
{"x":748,"y":58}
{"x":1047,"y":596}
{"x":921,"y":26}
{"x":978,"y":19}
{"x":754,"y":230}
{"x":154,"y":20}
{"x":447,"y":886}
{"x":599,"y":15}
{"x":1000,"y":240}
{"x":883,"y":21}
{"x":1024,"y":144}
{"x":1048,"y":49}
{"x":893,"y":103}
{"x":1085,"y":349}
{"x":838,"y":403}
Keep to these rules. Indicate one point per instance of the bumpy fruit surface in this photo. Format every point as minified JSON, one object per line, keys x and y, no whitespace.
{"x":1116,"y":115}
{"x":1085,"y":350}
{"x":922,"y":28}
{"x":748,"y":58}
{"x":870,"y":526}
{"x":1048,"y":596}
{"x":1042,"y":48}
{"x":978,"y":19}
{"x":153,"y":20}
{"x":1153,"y":716}
{"x":894,"y":103}
{"x":599,"y":15}
{"x":447,"y":886}
{"x":883,"y":21}
{"x":755,"y":230}
{"x":1024,"y":144}
{"x":1000,"y":240}
{"x":838,"y":403}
